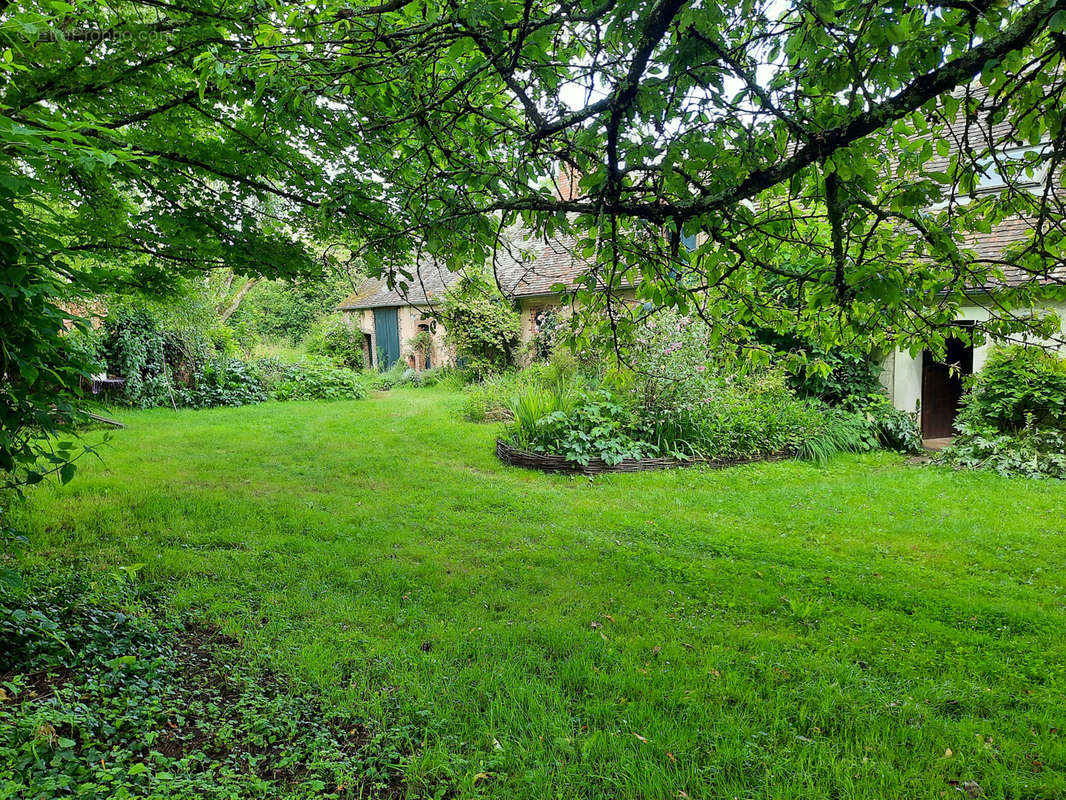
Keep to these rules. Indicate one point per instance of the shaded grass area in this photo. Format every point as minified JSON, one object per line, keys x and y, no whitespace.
{"x":863,"y":629}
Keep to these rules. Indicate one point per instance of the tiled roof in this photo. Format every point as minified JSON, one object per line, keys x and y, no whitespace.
{"x":979,"y":134}
{"x":528,"y":266}
{"x":425,"y":289}
{"x":993,"y":246}
{"x":525,"y":266}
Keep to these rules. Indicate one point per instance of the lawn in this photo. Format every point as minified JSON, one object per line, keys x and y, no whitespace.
{"x":865,"y":629}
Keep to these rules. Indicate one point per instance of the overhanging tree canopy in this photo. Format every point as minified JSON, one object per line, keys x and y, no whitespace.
{"x":801,"y":141}
{"x":826,"y":153}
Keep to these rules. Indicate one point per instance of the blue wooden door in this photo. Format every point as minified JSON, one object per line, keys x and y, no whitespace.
{"x":387,"y":330}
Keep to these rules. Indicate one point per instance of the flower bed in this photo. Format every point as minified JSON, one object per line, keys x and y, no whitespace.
{"x":596,"y":466}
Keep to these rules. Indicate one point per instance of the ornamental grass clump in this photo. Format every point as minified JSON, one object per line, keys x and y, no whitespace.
{"x":490,"y":399}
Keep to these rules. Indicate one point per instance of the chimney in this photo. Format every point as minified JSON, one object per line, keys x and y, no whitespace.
{"x":567,"y":182}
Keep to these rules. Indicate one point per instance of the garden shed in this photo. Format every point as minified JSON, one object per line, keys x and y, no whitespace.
{"x":392,"y":320}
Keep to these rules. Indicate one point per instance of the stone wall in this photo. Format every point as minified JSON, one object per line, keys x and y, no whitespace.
{"x":408,"y":321}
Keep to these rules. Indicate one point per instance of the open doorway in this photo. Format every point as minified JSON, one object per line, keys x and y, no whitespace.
{"x":942,"y":385}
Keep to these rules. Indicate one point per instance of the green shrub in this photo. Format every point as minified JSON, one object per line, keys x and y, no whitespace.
{"x":331,"y":337}
{"x":850,"y":374}
{"x":1032,"y":452}
{"x":891,"y":427}
{"x":1013,"y":419}
{"x":482,"y":327}
{"x":135,"y":347}
{"x":222,"y":381}
{"x":169,"y":354}
{"x":312,"y":379}
{"x":1018,"y":387}
{"x":597,"y":426}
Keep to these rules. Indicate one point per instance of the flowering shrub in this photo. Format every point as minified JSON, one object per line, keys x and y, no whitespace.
{"x":481,"y":325}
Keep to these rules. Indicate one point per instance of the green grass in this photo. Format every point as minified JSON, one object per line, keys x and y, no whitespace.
{"x":777,"y":631}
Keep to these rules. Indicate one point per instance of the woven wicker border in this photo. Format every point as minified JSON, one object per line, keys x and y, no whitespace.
{"x":596,"y":466}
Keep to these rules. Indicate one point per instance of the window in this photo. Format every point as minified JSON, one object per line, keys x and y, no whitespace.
{"x":1011,"y":164}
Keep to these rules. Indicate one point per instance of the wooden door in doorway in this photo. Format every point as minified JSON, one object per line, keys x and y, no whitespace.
{"x":942,"y":387}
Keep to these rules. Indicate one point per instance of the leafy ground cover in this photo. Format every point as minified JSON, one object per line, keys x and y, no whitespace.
{"x":866,"y":628}
{"x":112,"y":702}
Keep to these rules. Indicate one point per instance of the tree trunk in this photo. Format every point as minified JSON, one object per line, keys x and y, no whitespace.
{"x":235,"y":303}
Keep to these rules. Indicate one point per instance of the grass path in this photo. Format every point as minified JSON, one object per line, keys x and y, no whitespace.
{"x":861,"y":630}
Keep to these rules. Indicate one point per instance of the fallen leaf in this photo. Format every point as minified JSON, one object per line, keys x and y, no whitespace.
{"x":670,"y":756}
{"x":640,"y":737}
{"x":681,"y":793}
{"x":594,"y":624}
{"x":46,"y":732}
{"x":948,"y":753}
{"x":481,"y":776}
{"x":656,"y":650}
{"x":716,"y":674}
{"x":972,"y":789}
{"x":608,"y":617}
